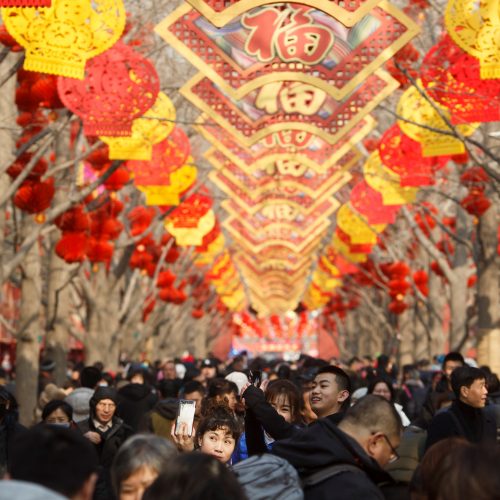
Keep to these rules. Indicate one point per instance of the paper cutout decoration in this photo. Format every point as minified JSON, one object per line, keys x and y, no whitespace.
{"x":60,"y":39}
{"x":148,"y":130}
{"x":452,"y":77}
{"x":474,"y":27}
{"x":120,"y":85}
{"x":415,"y":110}
{"x":25,"y":3}
{"x":370,"y":204}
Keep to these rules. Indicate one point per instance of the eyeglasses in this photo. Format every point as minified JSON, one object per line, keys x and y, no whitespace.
{"x":394,"y":454}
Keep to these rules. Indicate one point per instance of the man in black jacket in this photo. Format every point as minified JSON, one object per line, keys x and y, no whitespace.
{"x":466,"y":416}
{"x":346,"y":462}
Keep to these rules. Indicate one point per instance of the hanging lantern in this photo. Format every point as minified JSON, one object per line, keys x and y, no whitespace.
{"x":386,"y":182}
{"x":358,"y":229}
{"x":474,"y":26}
{"x":167,"y":156}
{"x":60,"y":39}
{"x":74,"y":220}
{"x":404,"y":157}
{"x":148,"y":130}
{"x":18,"y":166}
{"x":188,"y":235}
{"x":140,"y":219}
{"x":370,"y":204}
{"x":72,"y":247}
{"x":119,"y":86}
{"x":452,"y":78}
{"x":476,"y":203}
{"x":416,"y":110}
{"x":117,"y":180}
{"x":35,"y":196}
{"x":99,"y":250}
{"x":398,"y":307}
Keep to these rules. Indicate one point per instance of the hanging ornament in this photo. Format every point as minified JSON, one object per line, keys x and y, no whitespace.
{"x":120,"y":85}
{"x":72,"y":247}
{"x":148,"y":130}
{"x":370,"y":204}
{"x":417,"y":112}
{"x":474,"y":27}
{"x":356,"y":227}
{"x":404,"y":157}
{"x":60,"y":39}
{"x":386,"y":182}
{"x":35,"y":196}
{"x":452,"y":78}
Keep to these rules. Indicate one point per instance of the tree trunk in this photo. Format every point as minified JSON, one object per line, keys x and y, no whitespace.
{"x":488,"y":300}
{"x":59,"y":292}
{"x":458,"y":287}
{"x":103,"y":310}
{"x":28,"y":341}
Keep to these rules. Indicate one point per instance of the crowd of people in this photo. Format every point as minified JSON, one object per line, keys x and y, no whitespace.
{"x":256,"y":429}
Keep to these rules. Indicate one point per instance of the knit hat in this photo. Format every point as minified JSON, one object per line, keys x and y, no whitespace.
{"x":100,"y":394}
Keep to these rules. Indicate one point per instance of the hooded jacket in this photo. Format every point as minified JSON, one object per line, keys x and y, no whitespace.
{"x":135,"y":401}
{"x":322,"y":445}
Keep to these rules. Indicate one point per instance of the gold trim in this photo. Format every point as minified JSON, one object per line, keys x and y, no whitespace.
{"x":412,"y":30}
{"x":186,"y":91}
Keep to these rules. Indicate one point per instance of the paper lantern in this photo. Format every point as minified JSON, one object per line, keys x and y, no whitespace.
{"x":72,"y":247}
{"x":117,"y":180}
{"x":370,"y":204}
{"x":60,"y":39}
{"x":398,"y":307}
{"x":165,"y":279}
{"x":474,"y":26}
{"x":155,"y":126}
{"x":35,"y":196}
{"x":74,"y":220}
{"x":452,"y":78}
{"x":180,"y":181}
{"x":476,"y":203}
{"x":119,"y":86}
{"x":403,"y":156}
{"x":140,"y":219}
{"x":187,"y":236}
{"x":18,"y":166}
{"x":416,"y":110}
{"x":100,"y":250}
{"x":167,"y":156}
{"x":386,"y":182}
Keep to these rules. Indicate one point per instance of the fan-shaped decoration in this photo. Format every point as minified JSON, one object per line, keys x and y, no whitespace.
{"x":370,"y":204}
{"x":404,"y":157}
{"x":120,"y":85}
{"x":416,"y":110}
{"x":452,"y":78}
{"x":474,"y":27}
{"x":386,"y":182}
{"x":61,"y":38}
{"x":188,"y":235}
{"x":152,"y":128}
{"x":358,"y":229}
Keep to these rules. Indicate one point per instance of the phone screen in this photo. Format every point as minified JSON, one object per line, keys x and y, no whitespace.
{"x":185,"y":415}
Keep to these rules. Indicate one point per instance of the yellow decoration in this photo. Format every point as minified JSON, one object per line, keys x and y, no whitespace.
{"x":475,"y":26}
{"x":188,"y":236}
{"x":180,"y":180}
{"x":416,"y":110}
{"x":60,"y":39}
{"x":386,"y":182}
{"x":359,"y":231}
{"x":333,"y":270}
{"x":343,"y":249}
{"x":152,"y":128}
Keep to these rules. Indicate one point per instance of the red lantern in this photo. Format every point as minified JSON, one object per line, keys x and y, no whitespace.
{"x":140,"y":219}
{"x":105,"y":228}
{"x":476,"y":203}
{"x":197,"y":313}
{"x":452,"y":78}
{"x":72,"y":247}
{"x":44,"y":91}
{"x":475,"y":177}
{"x":398,"y":287}
{"x":404,"y":157}
{"x":18,"y":166}
{"x":368,"y":202}
{"x":117,"y":180}
{"x":398,"y":307}
{"x":421,"y":282}
{"x":99,"y":250}
{"x":119,"y":86}
{"x":35,"y":196}
{"x":75,"y":220}
{"x":165,"y":279}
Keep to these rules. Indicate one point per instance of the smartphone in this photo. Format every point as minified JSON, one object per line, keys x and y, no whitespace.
{"x":255,"y":377}
{"x":185,"y":415}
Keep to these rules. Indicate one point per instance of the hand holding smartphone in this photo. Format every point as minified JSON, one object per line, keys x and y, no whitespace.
{"x":185,"y":415}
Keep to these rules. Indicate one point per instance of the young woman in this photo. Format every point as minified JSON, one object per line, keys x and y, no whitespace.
{"x":58,"y":412}
{"x":216,"y":435}
{"x":383,"y":387}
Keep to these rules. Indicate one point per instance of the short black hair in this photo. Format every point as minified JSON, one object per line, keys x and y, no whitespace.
{"x":56,"y":404}
{"x":219,"y":417}
{"x":465,"y":377}
{"x":341,"y":377}
{"x":168,"y":388}
{"x":453,"y":356}
{"x":192,"y":386}
{"x":90,"y":377}
{"x":59,"y":459}
{"x":221,"y":386}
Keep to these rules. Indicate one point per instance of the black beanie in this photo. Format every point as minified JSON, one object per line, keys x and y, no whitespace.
{"x":100,"y":394}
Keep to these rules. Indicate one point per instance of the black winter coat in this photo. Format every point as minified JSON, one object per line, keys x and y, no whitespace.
{"x":323,"y":444}
{"x":106,"y":450}
{"x":462,"y":420}
{"x":135,"y":400}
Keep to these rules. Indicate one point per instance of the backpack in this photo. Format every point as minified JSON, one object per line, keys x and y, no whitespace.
{"x":268,"y":477}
